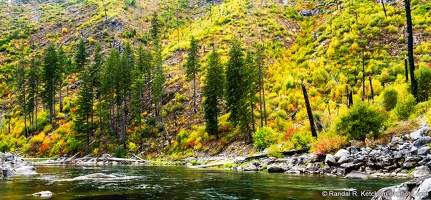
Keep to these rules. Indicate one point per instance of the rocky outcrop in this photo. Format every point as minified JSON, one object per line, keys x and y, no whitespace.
{"x":419,"y":188}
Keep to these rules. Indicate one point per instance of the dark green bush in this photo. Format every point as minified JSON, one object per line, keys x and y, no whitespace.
{"x":423,"y":77}
{"x":390,"y":99}
{"x":361,"y":120}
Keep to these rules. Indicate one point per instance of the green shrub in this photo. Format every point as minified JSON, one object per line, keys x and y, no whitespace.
{"x":405,"y":108}
{"x":182,"y":137}
{"x":390,"y":99}
{"x":361,"y":120}
{"x":423,"y":78}
{"x":264,"y":137}
{"x":120,"y":152}
{"x":274,"y":151}
{"x":301,"y":140}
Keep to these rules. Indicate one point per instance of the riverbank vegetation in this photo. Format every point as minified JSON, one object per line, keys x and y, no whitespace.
{"x":192,"y":78}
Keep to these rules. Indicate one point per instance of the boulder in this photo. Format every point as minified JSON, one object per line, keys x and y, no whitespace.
{"x":254,"y":166}
{"x":9,"y":157}
{"x":275,"y":168}
{"x":343,"y":159}
{"x":421,"y":171}
{"x":8,"y":172}
{"x":43,"y":194}
{"x":423,"y":191}
{"x":330,"y":160}
{"x":422,"y":141}
{"x":423,"y":150}
{"x":340,"y":153}
{"x":25,"y":170}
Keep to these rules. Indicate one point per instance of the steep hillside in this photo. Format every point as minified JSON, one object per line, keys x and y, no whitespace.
{"x":325,"y":43}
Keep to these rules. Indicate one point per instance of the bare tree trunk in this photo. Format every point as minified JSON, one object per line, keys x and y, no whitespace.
{"x":384,"y":9}
{"x":406,"y":69}
{"x":371,"y":87}
{"x":410,"y":50}
{"x":363,"y":75}
{"x":309,"y":112}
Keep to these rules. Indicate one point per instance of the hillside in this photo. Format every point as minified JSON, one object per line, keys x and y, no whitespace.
{"x":326,"y":43}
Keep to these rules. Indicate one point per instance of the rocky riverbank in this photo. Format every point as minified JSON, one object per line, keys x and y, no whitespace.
{"x":12,"y":164}
{"x":405,"y":156}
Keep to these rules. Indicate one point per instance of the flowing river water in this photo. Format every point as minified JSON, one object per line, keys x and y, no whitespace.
{"x":168,"y":182}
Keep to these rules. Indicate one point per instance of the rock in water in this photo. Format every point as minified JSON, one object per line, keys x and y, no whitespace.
{"x":43,"y":194}
{"x":358,"y":175}
{"x":25,"y":170}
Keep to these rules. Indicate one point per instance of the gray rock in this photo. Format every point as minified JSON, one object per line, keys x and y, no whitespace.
{"x":275,"y":168}
{"x":350,"y":166}
{"x":422,"y":141}
{"x":8,"y":172}
{"x":366,"y":151}
{"x":423,"y":191}
{"x":417,"y":134}
{"x":25,"y":170}
{"x":340,"y":153}
{"x":343,"y":159}
{"x":423,"y":150}
{"x":421,"y":171}
{"x":254,"y":166}
{"x":357,"y":175}
{"x":353,"y":150}
{"x":330,"y":160}
{"x":305,"y":13}
{"x":341,"y":171}
{"x":43,"y":194}
{"x":9,"y":157}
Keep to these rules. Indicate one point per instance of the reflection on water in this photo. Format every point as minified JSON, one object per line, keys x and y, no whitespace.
{"x":162,"y":182}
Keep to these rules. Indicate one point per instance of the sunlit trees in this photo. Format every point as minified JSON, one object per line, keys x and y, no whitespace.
{"x":192,"y":67}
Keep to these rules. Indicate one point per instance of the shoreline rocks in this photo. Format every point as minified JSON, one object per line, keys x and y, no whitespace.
{"x":405,"y":156}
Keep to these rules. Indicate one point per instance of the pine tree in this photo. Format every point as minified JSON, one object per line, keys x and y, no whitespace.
{"x":60,"y":72}
{"x":50,"y":63}
{"x":155,"y":28}
{"x":192,"y":67}
{"x":84,"y":104}
{"x":21,"y":83}
{"x":95,"y":79}
{"x":261,"y":77}
{"x":33,"y":91}
{"x":213,"y":93}
{"x":250,"y":84}
{"x":159,"y":80}
{"x":81,"y":56}
{"x":128,"y":66}
{"x":108,"y":84}
{"x":234,"y":79}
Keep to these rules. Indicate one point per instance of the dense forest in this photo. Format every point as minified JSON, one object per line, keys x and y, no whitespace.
{"x":180,"y":78}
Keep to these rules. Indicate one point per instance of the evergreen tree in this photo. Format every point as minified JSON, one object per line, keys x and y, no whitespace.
{"x":192,"y":67}
{"x":84,"y":104}
{"x":50,"y":65}
{"x":108,"y":85}
{"x":127,"y":66}
{"x":234,"y":80}
{"x":33,"y":90}
{"x":155,"y":28}
{"x":21,"y":83}
{"x":95,"y":79}
{"x":261,"y":77}
{"x":213,"y":93}
{"x":159,"y":80}
{"x":250,"y":84}
{"x":60,"y":73}
{"x":81,"y":56}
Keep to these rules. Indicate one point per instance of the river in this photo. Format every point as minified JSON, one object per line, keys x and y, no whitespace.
{"x":173,"y":182}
